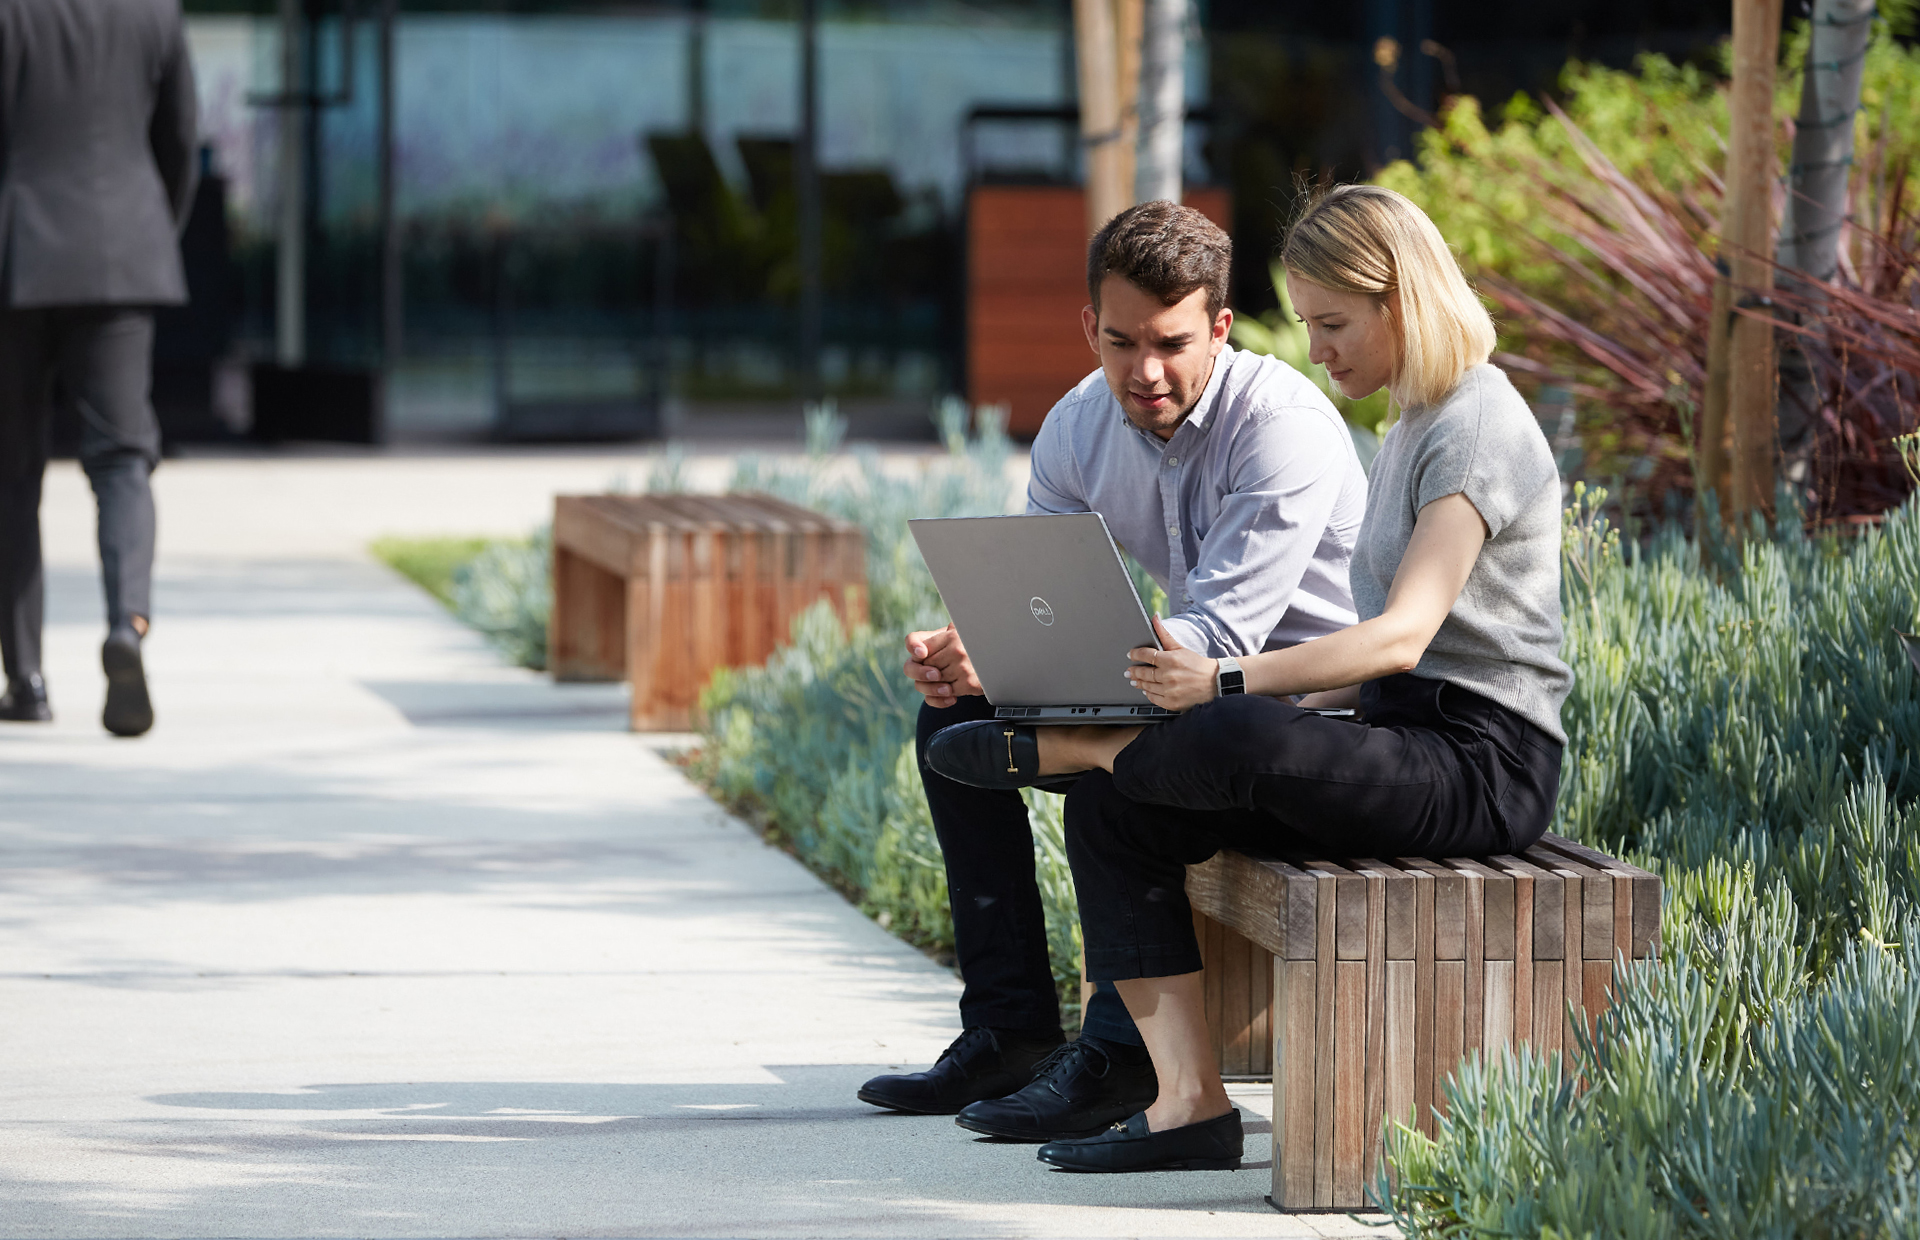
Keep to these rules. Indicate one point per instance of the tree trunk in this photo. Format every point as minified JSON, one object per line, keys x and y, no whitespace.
{"x":1823,"y":136}
{"x":1163,"y":81}
{"x":1817,"y":185}
{"x":1740,"y":345}
{"x":1129,"y":24}
{"x":1107,"y":43}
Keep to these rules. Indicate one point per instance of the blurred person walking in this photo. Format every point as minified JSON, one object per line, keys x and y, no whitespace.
{"x":97,"y":140}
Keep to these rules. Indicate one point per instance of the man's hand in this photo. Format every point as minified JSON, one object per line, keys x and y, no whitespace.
{"x":938,"y":666}
{"x":1176,"y":677}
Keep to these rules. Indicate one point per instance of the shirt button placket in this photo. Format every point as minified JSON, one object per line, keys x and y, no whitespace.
{"x":1170,"y":504}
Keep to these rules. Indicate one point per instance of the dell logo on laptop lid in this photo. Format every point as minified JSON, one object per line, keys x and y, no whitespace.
{"x":1041,"y":612}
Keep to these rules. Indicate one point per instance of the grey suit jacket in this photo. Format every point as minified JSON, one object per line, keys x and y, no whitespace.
{"x":97,"y":153}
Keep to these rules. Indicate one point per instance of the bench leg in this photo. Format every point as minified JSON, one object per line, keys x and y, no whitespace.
{"x":1296,"y":989}
{"x":586,"y":633}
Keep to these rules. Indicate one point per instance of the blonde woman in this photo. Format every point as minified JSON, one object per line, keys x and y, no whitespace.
{"x":1455,"y":666}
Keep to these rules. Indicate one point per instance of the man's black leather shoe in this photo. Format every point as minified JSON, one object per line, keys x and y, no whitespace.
{"x":986,"y":753}
{"x":981,"y":1063}
{"x":1210,"y":1145}
{"x":129,"y":711}
{"x":1077,"y":1091}
{"x":26,"y":701}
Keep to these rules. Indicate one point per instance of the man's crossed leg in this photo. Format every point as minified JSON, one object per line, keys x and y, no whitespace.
{"x":1011,"y":1073}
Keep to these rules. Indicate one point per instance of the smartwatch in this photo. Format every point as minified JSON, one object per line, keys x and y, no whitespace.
{"x":1229,"y":678}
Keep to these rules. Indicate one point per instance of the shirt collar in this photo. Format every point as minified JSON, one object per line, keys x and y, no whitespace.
{"x":1203,"y":410}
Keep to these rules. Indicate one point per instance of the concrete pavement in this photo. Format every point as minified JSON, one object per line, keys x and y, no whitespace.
{"x":376,"y":937}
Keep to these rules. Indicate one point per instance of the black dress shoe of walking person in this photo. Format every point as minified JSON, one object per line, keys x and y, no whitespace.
{"x":987,"y":753}
{"x":1078,"y":1091}
{"x":1210,"y":1145}
{"x":981,"y":1063}
{"x":26,"y":701}
{"x":129,"y":711}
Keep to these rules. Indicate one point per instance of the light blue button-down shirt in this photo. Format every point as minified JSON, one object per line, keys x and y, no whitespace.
{"x":1246,"y":517}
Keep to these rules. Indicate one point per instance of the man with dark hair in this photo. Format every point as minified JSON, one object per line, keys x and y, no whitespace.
{"x":1232,"y":479}
{"x":97,"y":119}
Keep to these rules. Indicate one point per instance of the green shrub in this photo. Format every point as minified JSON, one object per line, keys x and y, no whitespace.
{"x":1745,"y":723}
{"x":1660,"y":124}
{"x":506,"y":591}
{"x":1799,"y":1128}
{"x":971,"y":481}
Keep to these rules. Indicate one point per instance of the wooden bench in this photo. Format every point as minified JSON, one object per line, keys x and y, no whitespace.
{"x":1360,"y":984}
{"x":663,"y":589}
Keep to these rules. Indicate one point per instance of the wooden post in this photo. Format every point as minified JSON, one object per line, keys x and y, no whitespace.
{"x":1746,"y":238}
{"x":1713,"y":449}
{"x":1130,"y":27}
{"x":1107,"y":42}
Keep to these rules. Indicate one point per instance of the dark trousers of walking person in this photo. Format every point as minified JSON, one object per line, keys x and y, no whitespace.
{"x":94,"y":365}
{"x":1435,"y":771}
{"x":999,"y":926}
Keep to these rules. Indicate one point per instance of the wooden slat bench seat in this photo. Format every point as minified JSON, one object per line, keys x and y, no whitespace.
{"x":1360,"y":984}
{"x":663,"y":589}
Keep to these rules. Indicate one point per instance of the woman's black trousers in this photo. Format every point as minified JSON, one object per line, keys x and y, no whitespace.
{"x":1435,"y":771}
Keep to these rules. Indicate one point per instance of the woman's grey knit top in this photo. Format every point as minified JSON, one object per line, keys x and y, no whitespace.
{"x":1502,"y":637}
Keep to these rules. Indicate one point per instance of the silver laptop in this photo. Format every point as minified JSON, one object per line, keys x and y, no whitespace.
{"x":1047,"y":611}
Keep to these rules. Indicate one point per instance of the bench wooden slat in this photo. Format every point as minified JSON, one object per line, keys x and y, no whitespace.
{"x":1573,"y":924}
{"x":1645,"y":891}
{"x":1377,"y":879}
{"x":1423,"y":888}
{"x":1296,"y":991}
{"x":1323,"y":1060}
{"x":1531,"y":886}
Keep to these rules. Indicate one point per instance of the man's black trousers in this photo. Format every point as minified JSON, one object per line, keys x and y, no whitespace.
{"x":94,"y":364}
{"x":999,"y":929}
{"x":1436,"y":771}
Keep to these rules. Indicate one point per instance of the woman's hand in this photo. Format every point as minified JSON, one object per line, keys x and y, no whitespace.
{"x":1175,"y":677}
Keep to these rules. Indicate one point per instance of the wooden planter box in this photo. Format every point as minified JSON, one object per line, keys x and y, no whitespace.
{"x":663,"y":589}
{"x":1360,"y":985}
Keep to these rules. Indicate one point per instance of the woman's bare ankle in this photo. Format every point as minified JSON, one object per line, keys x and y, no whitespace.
{"x":1059,"y":750}
{"x":1070,"y":750}
{"x":1169,"y":1113}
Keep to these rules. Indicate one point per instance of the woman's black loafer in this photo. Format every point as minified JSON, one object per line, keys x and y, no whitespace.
{"x":1210,"y":1145}
{"x":986,"y":753}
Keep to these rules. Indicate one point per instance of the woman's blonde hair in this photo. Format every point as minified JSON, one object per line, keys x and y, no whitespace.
{"x":1366,"y":239}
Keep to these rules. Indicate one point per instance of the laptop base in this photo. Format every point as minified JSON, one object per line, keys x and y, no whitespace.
{"x":1123,"y":715}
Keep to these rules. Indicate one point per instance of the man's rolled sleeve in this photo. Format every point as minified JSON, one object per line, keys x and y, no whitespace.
{"x":1270,"y":526}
